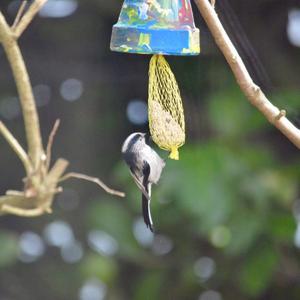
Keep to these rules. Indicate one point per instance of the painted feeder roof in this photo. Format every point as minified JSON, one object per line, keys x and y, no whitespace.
{"x":156,"y":27}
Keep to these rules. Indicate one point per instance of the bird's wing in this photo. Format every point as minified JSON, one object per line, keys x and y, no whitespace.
{"x":139,"y":183}
{"x":146,"y":201}
{"x":146,"y":173}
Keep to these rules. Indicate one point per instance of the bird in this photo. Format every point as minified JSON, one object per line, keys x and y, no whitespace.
{"x":145,"y":167}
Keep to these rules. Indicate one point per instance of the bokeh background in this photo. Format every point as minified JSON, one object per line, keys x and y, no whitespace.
{"x":226,"y":215}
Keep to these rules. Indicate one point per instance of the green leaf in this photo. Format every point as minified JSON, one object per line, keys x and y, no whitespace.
{"x":259,"y":269}
{"x":282,"y":227}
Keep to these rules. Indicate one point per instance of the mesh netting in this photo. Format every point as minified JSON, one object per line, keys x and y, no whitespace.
{"x":166,"y":117}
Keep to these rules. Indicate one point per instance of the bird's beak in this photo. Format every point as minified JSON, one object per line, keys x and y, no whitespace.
{"x":147,"y":137}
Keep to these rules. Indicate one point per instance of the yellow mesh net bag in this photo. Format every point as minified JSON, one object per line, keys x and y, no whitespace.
{"x":166,"y":116}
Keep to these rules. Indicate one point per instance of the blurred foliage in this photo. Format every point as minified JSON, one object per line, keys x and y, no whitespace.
{"x":9,"y":248}
{"x":225,"y":214}
{"x":228,"y":198}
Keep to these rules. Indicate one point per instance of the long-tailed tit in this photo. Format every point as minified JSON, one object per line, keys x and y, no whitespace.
{"x":145,"y":167}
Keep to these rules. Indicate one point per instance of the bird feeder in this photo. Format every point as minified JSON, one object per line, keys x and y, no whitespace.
{"x":156,"y":27}
{"x":159,"y":27}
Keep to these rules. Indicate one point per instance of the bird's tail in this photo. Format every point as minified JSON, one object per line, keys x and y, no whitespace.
{"x":146,"y":208}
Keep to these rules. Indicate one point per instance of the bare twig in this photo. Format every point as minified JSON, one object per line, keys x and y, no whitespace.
{"x":32,"y":125}
{"x":4,"y":199}
{"x":21,"y":212}
{"x":28,"y":16}
{"x":249,"y":88}
{"x":15,"y":193}
{"x":94,"y":180}
{"x":41,"y":183}
{"x":57,"y":171}
{"x":19,"y":14}
{"x":16,"y":147}
{"x":50,"y":143}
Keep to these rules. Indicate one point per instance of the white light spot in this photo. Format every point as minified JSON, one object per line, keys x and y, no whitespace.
{"x":161,"y":245}
{"x":58,"y":8}
{"x":10,"y":108}
{"x":72,"y":252}
{"x":137,"y":112}
{"x":297,"y":236}
{"x":93,"y":289}
{"x":102,"y":242}
{"x":71,"y":89}
{"x":31,"y":247}
{"x":42,"y":94}
{"x":210,"y":295}
{"x":293,"y":27}
{"x":141,"y":233}
{"x":59,"y":234}
{"x":204,"y":268}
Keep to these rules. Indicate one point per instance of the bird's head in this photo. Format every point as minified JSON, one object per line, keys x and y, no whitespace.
{"x":136,"y":139}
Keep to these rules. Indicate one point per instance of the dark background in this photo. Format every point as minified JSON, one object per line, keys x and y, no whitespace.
{"x":226,"y":213}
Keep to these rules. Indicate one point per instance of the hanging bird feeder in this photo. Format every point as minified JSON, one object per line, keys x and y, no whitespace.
{"x":156,"y":27}
{"x":159,"y":27}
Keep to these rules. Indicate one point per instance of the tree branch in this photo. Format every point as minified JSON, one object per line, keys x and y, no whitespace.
{"x":94,"y":180}
{"x":50,"y":143}
{"x":57,"y":171}
{"x":248,"y":87}
{"x":28,"y":16}
{"x":32,"y":126}
{"x":19,"y":14}
{"x":21,"y":212}
{"x":16,"y":147}
{"x":41,"y":184}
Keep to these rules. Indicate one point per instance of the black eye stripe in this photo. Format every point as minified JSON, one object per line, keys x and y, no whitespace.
{"x":134,"y":140}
